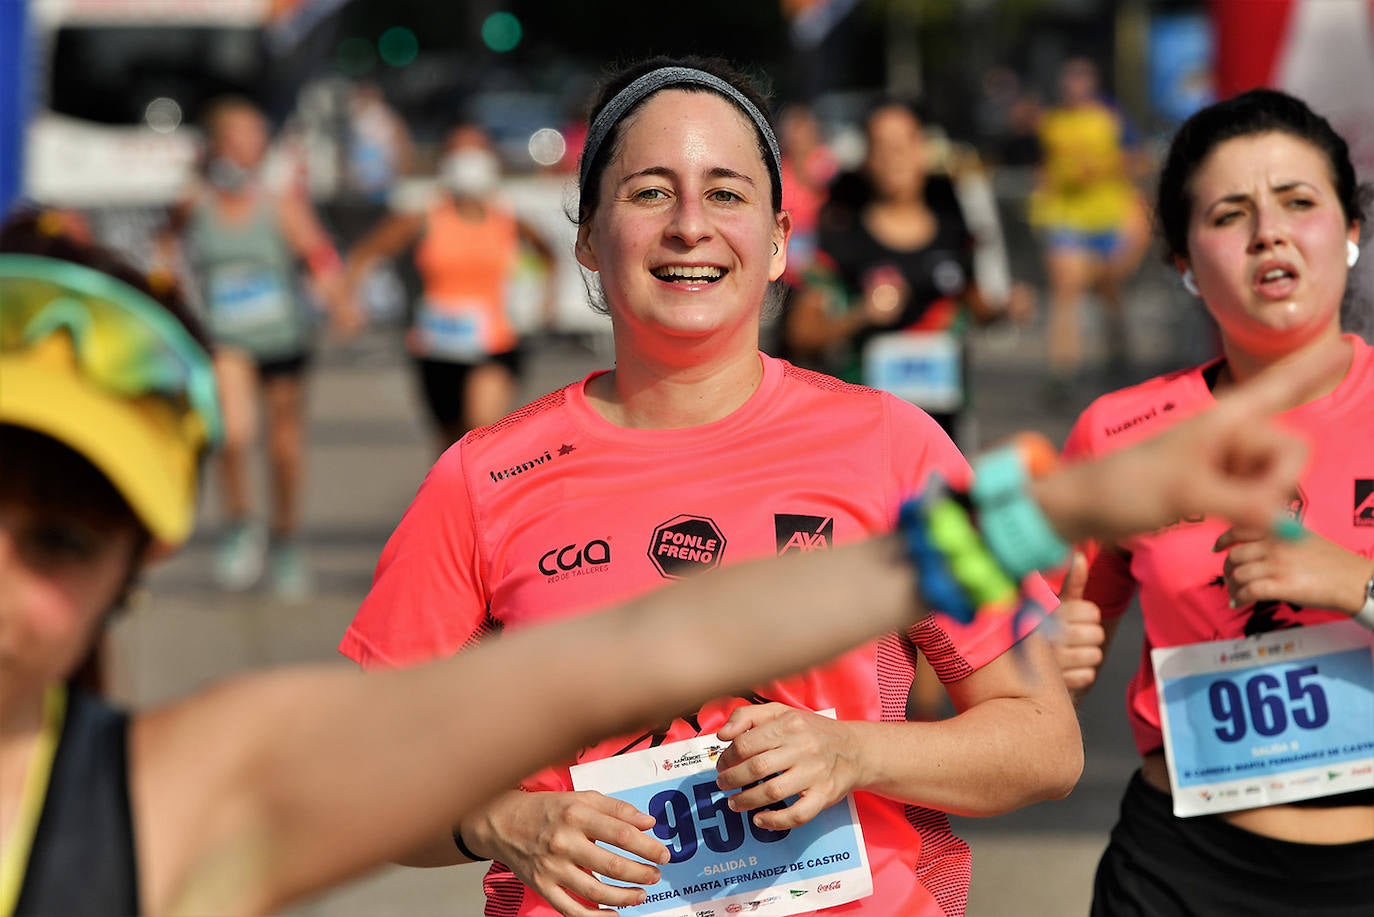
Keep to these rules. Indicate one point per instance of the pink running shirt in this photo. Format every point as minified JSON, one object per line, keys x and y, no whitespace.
{"x":1179,"y":578}
{"x":554,"y":512}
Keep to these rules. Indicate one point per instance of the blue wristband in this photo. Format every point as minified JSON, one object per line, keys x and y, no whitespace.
{"x":935,"y":582}
{"x":1013,"y":525}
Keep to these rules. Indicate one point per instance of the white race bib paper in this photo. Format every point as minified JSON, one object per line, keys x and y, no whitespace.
{"x":923,"y":367}
{"x":1268,"y":719}
{"x":722,"y":863}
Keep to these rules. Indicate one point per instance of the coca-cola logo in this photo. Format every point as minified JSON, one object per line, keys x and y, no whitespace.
{"x":832,"y":886}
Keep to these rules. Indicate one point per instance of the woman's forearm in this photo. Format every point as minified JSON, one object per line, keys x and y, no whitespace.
{"x":1004,"y":751}
{"x":341,"y":772}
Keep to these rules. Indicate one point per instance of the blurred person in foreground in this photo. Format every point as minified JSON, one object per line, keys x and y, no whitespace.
{"x":1248,"y":799}
{"x":467,"y":246}
{"x":263,"y":789}
{"x":241,"y":241}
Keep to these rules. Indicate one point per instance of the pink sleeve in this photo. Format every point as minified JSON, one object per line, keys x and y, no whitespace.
{"x":1079,"y":443}
{"x":1111,"y":585}
{"x":957,"y":650}
{"x":428,"y":597}
{"x":919,"y":447}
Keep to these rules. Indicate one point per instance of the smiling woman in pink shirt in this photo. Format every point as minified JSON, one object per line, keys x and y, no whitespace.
{"x":693,"y":452}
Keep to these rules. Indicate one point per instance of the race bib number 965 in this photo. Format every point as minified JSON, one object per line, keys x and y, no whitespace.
{"x":1268,"y":719}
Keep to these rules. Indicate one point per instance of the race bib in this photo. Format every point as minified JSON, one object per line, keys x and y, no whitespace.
{"x":721,"y":862}
{"x":1268,"y":719}
{"x":923,"y":367}
{"x":451,"y":331}
{"x":246,"y":298}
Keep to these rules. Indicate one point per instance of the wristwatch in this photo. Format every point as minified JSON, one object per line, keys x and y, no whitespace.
{"x":1365,"y":615}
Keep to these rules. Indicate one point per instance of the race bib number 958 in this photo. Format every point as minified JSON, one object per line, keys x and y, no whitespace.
{"x":720,"y":856}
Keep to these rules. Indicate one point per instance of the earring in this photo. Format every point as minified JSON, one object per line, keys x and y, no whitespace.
{"x":1190,"y":282}
{"x":775,"y":248}
{"x":1352,"y":253}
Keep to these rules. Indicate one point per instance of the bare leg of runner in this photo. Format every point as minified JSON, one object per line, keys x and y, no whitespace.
{"x":285,"y":397}
{"x":238,"y":564}
{"x":1070,"y":272}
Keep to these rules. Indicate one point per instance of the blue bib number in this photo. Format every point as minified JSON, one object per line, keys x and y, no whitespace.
{"x":455,"y":334}
{"x":685,"y":824}
{"x":925,"y":368}
{"x":720,"y":856}
{"x":1242,"y":731}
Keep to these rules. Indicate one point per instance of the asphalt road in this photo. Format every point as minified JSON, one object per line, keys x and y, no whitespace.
{"x":368,"y":451}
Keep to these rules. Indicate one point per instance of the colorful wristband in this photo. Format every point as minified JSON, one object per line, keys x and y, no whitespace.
{"x":957,"y":574}
{"x":1013,"y":525}
{"x":323,"y":260}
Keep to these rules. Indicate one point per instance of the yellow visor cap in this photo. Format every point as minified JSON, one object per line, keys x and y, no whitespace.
{"x":147,"y":446}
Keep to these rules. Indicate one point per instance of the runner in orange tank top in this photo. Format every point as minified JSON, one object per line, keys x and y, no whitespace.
{"x":466,"y":349}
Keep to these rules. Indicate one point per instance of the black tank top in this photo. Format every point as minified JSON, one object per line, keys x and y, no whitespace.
{"x":82,"y":861}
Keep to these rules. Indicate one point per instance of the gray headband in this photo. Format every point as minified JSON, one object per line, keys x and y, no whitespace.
{"x":666,"y":78}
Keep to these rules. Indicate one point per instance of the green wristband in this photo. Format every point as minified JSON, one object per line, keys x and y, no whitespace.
{"x":1013,"y":525}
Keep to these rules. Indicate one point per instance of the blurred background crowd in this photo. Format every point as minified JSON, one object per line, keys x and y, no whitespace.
{"x":360,"y":95}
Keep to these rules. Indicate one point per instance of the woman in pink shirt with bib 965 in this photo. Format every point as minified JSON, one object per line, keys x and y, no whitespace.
{"x":1253,"y":707}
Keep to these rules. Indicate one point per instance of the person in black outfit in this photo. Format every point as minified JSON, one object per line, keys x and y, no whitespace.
{"x":895,"y":256}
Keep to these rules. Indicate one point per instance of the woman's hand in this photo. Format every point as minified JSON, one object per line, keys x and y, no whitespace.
{"x":1309,"y":571}
{"x":1079,"y":639}
{"x":788,"y":753}
{"x":346,"y":316}
{"x":548,"y":839}
{"x":885,"y":294}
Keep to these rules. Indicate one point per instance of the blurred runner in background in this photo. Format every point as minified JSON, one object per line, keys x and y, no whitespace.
{"x":1090,"y":218}
{"x":241,"y":241}
{"x":892,"y":288}
{"x":467,"y":245}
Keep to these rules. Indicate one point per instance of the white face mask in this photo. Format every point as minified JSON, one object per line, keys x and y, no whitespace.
{"x":227,"y":175}
{"x":470,"y":173}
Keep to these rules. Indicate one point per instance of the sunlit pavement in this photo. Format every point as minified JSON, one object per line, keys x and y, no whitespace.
{"x":369,"y":450}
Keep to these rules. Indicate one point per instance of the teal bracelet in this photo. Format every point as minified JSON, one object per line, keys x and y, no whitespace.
{"x":1013,"y":525}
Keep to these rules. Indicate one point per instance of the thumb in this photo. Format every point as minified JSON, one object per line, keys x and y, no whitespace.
{"x":1076,"y":579}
